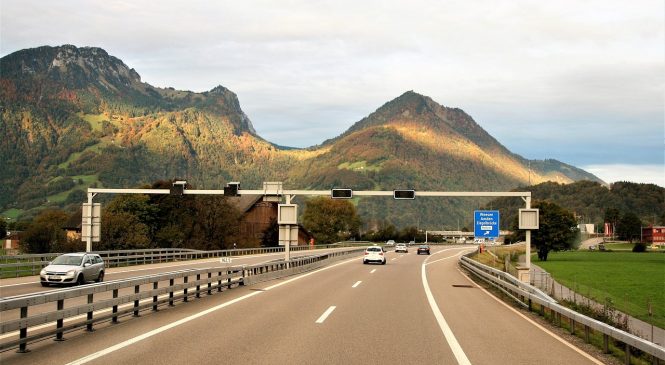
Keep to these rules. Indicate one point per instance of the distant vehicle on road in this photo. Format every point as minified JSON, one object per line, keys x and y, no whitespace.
{"x":424,"y":249}
{"x":374,"y":254}
{"x":411,"y":243}
{"x":73,"y":268}
{"x":390,"y":243}
{"x":401,"y":248}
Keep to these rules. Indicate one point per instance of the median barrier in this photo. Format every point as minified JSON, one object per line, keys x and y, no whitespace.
{"x":33,"y":317}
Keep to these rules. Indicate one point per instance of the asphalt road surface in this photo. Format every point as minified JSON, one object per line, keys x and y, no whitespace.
{"x":414,"y":310}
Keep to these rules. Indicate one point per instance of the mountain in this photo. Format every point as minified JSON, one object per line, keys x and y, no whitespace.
{"x":78,"y":117}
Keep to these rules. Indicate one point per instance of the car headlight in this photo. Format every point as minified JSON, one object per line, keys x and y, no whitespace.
{"x":43,"y":272}
{"x":71,"y":272}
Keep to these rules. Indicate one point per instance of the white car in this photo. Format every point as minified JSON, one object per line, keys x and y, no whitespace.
{"x":401,"y":248}
{"x":390,"y":243}
{"x":374,"y":254}
{"x":73,"y":268}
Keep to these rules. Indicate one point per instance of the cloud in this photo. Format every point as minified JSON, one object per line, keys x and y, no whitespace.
{"x":647,"y":174}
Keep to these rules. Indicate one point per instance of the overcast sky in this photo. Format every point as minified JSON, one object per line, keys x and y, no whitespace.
{"x":582,"y":82}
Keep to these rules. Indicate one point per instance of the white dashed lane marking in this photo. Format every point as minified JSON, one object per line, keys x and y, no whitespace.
{"x":326,"y":314}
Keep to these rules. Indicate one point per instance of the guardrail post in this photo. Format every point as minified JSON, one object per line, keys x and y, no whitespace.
{"x":209,"y":283}
{"x":61,"y":306}
{"x":606,"y":344}
{"x":627,"y":354}
{"x":242,"y":278}
{"x":228,"y":280}
{"x":136,"y":300}
{"x":184,"y":292}
{"x":198,"y":285}
{"x":171,"y":283}
{"x":219,"y":281}
{"x":114,"y":320}
{"x":572,"y":326}
{"x":23,"y":333}
{"x":154,"y":297}
{"x":89,"y":324}
{"x":587,"y":338}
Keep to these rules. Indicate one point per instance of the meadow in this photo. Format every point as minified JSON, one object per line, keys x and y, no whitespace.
{"x":630,"y":280}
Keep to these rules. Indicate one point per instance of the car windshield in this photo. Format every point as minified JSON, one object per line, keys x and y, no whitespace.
{"x":67,"y":260}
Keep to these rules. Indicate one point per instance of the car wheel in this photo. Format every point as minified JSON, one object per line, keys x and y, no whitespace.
{"x":364,"y":262}
{"x":100,"y":278}
{"x":383,"y":262}
{"x":80,"y":280}
{"x":44,"y":284}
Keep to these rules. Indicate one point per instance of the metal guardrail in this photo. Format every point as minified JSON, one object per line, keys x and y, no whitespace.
{"x":93,"y":303}
{"x":527,"y":295}
{"x":31,"y":264}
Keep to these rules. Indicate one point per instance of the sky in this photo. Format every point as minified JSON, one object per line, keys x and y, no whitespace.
{"x":582,"y":82}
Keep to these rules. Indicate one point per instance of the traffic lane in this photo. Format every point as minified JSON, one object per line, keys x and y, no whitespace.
{"x":82,"y":300}
{"x":278,"y":325}
{"x":390,"y":322}
{"x":31,"y":284}
{"x":79,"y":343}
{"x":228,"y":334}
{"x":488,"y":330}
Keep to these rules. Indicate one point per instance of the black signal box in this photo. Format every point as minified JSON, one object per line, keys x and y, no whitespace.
{"x":341,"y":193}
{"x":404,"y":194}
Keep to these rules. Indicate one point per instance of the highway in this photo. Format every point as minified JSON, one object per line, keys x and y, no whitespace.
{"x":414,"y":310}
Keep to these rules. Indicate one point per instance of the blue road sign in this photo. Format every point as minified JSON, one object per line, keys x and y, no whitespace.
{"x":486,"y":223}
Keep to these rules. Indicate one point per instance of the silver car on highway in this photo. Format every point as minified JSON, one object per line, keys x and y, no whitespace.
{"x":73,"y":268}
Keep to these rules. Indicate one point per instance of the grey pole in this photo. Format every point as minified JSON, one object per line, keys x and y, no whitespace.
{"x":88,"y":223}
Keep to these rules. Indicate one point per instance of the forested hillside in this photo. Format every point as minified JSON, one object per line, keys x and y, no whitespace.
{"x":74,"y":118}
{"x":590,"y":202}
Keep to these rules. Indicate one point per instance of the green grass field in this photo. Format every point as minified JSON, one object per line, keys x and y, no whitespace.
{"x":97,"y":148}
{"x":88,"y":180}
{"x":629,"y":279}
{"x":12,"y":213}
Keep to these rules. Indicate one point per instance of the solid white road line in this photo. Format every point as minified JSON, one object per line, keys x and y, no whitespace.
{"x":108,"y":350}
{"x":372,"y":272}
{"x":356,"y":284}
{"x":326,"y":314}
{"x":159,"y":330}
{"x":593,"y":359}
{"x":447,"y":332}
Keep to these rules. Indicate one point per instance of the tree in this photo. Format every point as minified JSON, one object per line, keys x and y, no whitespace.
{"x":3,"y":227}
{"x":629,"y":227}
{"x":123,"y":230}
{"x":558,"y":229}
{"x":45,"y":232}
{"x":612,"y":216}
{"x":215,"y":223}
{"x":331,"y":220}
{"x":201,"y":222}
